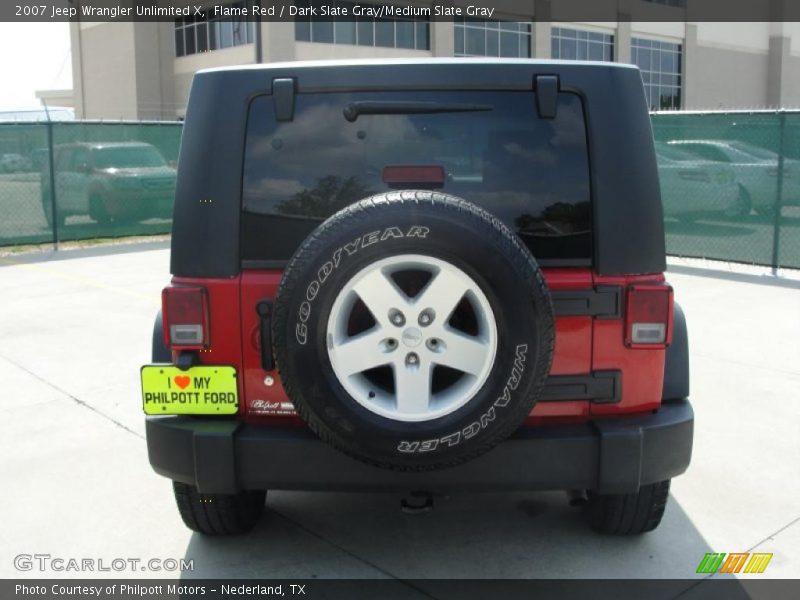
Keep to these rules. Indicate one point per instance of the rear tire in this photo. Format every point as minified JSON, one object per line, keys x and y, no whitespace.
{"x":98,"y":211}
{"x":48,"y":215}
{"x":628,"y":514}
{"x":218,"y":514}
{"x":743,"y":204}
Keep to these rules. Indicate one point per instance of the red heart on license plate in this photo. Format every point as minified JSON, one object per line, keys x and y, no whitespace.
{"x":182,"y":381}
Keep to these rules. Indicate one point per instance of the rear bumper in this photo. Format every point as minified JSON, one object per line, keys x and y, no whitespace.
{"x":609,"y":456}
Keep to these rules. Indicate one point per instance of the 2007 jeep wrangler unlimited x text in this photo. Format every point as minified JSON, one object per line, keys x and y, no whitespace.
{"x":426,"y":276}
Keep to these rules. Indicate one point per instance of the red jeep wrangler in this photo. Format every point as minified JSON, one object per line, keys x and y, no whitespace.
{"x":418,"y":276}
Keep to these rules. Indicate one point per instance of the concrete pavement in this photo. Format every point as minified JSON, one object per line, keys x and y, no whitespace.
{"x":73,"y":333}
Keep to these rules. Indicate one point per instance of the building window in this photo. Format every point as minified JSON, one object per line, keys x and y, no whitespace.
{"x":576,"y":44}
{"x":492,"y":38}
{"x":660,"y":63}
{"x":412,"y":32}
{"x":196,"y":34}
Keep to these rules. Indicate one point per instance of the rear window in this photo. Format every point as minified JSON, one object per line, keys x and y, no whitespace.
{"x":665,"y":151}
{"x":532,"y":173}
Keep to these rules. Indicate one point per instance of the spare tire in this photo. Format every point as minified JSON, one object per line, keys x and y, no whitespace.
{"x":413,"y":331}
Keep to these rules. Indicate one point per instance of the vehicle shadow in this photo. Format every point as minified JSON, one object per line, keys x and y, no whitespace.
{"x":491,"y":536}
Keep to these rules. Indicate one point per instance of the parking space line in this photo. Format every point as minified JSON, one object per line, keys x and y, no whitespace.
{"x":766,"y":539}
{"x":775,"y":534}
{"x":75,"y":399}
{"x":341,"y":548}
{"x":87,"y":281}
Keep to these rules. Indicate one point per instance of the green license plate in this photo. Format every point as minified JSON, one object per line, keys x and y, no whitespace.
{"x":201,"y":390}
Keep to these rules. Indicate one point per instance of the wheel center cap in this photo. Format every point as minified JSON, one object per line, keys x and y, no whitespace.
{"x":412,"y":337}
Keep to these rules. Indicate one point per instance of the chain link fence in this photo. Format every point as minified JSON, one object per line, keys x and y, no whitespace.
{"x":77,"y":180}
{"x":730,"y":185}
{"x":730,"y":182}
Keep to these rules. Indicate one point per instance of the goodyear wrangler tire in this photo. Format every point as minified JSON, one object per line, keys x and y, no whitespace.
{"x":413,"y":331}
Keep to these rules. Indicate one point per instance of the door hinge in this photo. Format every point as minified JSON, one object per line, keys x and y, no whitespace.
{"x":283,"y":94}
{"x":599,"y":387}
{"x":546,"y":88}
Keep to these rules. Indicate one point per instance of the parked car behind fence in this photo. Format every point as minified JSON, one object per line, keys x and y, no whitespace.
{"x":14,"y":163}
{"x":756,"y":170}
{"x":693,"y":187}
{"x":111,"y":182}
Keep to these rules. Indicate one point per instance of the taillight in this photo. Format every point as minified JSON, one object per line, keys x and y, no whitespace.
{"x":185,"y":318}
{"x":648,"y":316}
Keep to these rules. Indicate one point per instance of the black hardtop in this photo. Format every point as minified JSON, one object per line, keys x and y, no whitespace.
{"x":628,"y":222}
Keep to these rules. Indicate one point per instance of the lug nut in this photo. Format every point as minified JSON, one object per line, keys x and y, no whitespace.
{"x":412,"y":359}
{"x":435,"y":345}
{"x":425,"y":317}
{"x":397,"y":318}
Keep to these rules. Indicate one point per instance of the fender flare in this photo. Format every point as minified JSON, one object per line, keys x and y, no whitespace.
{"x":676,"y":363}
{"x":160,"y":353}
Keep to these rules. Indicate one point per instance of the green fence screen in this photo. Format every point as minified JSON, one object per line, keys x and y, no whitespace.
{"x":730,"y":182}
{"x":730,"y":185}
{"x":78,"y":180}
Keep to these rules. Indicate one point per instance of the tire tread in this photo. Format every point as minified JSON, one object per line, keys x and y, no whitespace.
{"x":363,"y":212}
{"x":218,"y":514}
{"x":628,"y":514}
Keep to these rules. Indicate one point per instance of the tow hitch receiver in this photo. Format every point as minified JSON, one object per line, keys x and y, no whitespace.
{"x":417,"y":503}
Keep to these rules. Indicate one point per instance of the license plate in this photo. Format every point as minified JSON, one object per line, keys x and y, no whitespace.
{"x":201,"y":390}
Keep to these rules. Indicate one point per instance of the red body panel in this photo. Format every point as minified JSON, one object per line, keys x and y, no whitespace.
{"x":573,"y":348}
{"x":583,"y":344}
{"x":257,"y":285}
{"x":225,"y":337}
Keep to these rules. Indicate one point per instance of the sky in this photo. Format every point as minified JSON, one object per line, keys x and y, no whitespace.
{"x":35,"y":56}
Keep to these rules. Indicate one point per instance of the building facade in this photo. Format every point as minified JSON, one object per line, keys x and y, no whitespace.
{"x":144,"y":70}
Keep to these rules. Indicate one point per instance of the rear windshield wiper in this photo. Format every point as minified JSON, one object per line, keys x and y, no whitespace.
{"x":374,"y":107}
